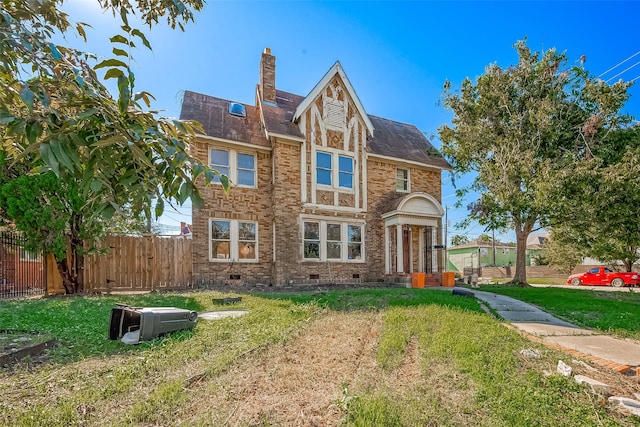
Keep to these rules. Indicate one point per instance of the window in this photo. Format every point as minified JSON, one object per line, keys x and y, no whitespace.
{"x":402,"y":180}
{"x":233,"y":240}
{"x":312,"y":240}
{"x":355,"y":242}
{"x":332,"y":241}
{"x":220,"y":239}
{"x":220,"y":162}
{"x":325,"y":169}
{"x":246,"y":170}
{"x":246,"y":240}
{"x":239,"y":167}
{"x":345,"y":172}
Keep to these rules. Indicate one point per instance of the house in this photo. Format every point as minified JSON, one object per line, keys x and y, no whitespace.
{"x":535,"y":243}
{"x":322,"y":192}
{"x":481,"y":253}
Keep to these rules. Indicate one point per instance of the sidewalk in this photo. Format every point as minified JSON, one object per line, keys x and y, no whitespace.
{"x":619,"y":354}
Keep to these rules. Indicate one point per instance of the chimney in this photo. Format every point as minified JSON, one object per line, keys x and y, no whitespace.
{"x":268,"y":76}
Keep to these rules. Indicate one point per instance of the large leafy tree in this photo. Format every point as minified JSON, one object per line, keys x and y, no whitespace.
{"x":60,"y":123}
{"x":516,"y":127}
{"x":600,"y":200}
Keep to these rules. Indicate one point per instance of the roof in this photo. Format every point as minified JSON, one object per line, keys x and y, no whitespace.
{"x":391,"y":138}
{"x":278,"y":119}
{"x":403,"y":141}
{"x":217,"y":122}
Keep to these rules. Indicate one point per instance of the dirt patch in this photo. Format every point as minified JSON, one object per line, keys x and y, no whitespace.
{"x":304,"y":382}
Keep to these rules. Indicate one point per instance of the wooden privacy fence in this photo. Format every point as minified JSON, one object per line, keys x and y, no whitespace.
{"x":136,"y":264}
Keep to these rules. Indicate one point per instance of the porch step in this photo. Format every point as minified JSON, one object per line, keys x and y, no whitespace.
{"x":431,"y":280}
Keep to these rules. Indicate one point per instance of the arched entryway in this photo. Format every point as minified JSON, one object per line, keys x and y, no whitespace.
{"x":412,"y":231}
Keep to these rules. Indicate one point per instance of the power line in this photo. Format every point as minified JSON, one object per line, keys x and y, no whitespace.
{"x":623,"y":71}
{"x":620,"y":63}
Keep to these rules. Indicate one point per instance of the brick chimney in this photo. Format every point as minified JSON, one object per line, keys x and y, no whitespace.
{"x":268,"y":76}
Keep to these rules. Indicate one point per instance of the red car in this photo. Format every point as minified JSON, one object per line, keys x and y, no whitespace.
{"x":602,"y":276}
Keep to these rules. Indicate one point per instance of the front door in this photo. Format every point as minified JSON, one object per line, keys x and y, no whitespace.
{"x":428,"y":249}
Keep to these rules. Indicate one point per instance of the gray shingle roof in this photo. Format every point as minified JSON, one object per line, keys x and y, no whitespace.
{"x":403,"y":141}
{"x":217,"y":122}
{"x":390,"y":138}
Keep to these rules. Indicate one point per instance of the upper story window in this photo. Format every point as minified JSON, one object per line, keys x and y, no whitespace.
{"x":345,"y":172}
{"x":324,"y":163}
{"x":331,"y":169}
{"x":239,"y":167}
{"x":402,"y":180}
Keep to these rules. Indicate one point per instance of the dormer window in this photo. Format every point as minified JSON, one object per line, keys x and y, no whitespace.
{"x":236,"y":109}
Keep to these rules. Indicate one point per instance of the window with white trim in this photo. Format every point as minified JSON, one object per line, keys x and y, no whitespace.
{"x":332,"y":169}
{"x":239,"y":167}
{"x":345,"y":172}
{"x":324,"y":166}
{"x":402,"y":180}
{"x":311,"y":240}
{"x":332,"y":241}
{"x":355,"y":242}
{"x":233,"y":240}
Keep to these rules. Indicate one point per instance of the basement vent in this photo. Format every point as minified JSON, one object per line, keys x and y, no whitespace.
{"x":356,"y":276}
{"x":236,"y":109}
{"x":314,"y":276}
{"x":234,"y":277}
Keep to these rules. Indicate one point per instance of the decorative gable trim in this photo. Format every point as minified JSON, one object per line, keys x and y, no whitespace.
{"x":317,"y":90}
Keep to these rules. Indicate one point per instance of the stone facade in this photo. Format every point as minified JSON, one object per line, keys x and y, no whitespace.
{"x":324,"y":206}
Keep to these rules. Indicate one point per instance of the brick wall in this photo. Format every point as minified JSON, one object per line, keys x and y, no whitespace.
{"x":250,"y":204}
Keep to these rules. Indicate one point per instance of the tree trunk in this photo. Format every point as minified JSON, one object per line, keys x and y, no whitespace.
{"x":522,"y":233}
{"x":67,"y":277}
{"x":520,"y":276}
{"x":77,"y":251}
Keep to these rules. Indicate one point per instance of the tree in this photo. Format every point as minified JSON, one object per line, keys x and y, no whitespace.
{"x":606,"y":187}
{"x":459,"y":239}
{"x":58,"y":119}
{"x":484,"y":238}
{"x":562,"y":252}
{"x":516,"y":127}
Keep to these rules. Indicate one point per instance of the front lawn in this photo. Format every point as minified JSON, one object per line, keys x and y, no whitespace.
{"x":391,"y":357}
{"x":608,"y":311}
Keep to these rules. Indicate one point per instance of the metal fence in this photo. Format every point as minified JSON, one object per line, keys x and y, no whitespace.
{"x":22,"y":272}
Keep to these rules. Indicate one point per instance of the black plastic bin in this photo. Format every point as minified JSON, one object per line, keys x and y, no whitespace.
{"x":135,"y":324}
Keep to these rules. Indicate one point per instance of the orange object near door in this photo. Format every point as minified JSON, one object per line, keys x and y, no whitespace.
{"x":448,"y":279}
{"x":417,"y":280}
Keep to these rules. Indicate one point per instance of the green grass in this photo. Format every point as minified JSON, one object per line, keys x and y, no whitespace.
{"x":608,"y":311}
{"x":60,"y":394}
{"x":470,"y":371}
{"x":479,"y":377}
{"x":377,"y":299}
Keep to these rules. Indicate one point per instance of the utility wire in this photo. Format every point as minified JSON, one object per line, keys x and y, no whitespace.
{"x":620,"y":63}
{"x":623,"y":71}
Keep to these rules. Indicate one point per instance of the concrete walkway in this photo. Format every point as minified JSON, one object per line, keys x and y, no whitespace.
{"x":619,"y":353}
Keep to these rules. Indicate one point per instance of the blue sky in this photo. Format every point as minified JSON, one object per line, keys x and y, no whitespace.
{"x":396,"y":54}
